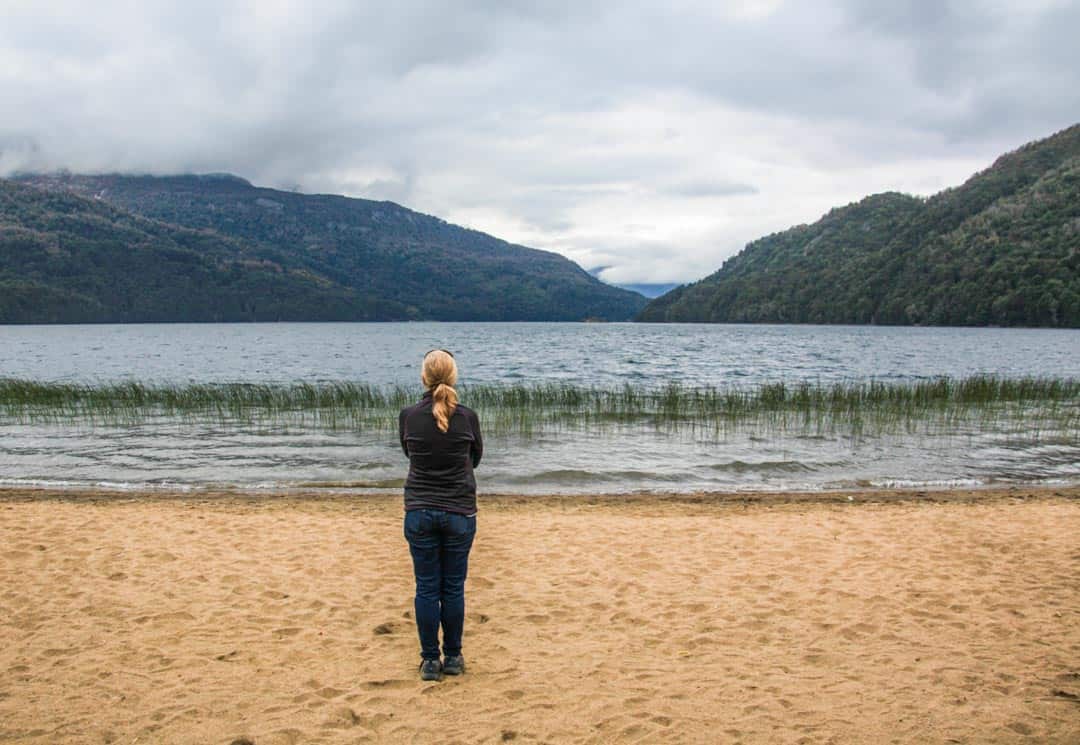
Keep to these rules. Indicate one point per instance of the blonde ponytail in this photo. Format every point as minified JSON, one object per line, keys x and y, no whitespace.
{"x":446,"y":400}
{"x":439,"y":374}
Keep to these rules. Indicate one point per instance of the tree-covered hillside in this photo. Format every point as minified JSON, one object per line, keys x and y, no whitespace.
{"x":1003,"y":249}
{"x":402,"y":263}
{"x":67,"y":259}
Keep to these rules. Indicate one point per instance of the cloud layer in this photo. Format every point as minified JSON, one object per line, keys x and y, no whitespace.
{"x":653,"y":141}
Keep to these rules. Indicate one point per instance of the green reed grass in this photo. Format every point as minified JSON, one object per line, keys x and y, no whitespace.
{"x":1048,"y":403}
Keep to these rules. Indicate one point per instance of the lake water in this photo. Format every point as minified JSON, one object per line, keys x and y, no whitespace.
{"x":196,"y":455}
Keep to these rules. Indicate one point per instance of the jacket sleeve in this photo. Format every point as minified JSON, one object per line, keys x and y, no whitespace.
{"x":478,"y":440}
{"x":401,"y":431}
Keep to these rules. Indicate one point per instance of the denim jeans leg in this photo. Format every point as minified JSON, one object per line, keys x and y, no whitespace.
{"x":421,"y":531}
{"x":458,"y":534}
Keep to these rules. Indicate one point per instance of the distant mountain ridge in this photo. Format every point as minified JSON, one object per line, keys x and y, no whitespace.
{"x":650,"y":290}
{"x":263,"y":254}
{"x":1002,"y":249}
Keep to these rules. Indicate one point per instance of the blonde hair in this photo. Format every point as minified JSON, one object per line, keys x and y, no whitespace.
{"x":439,"y":375}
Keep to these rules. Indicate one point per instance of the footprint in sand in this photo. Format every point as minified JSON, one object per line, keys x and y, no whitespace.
{"x":634,"y":730}
{"x":1020,"y":728}
{"x":55,"y":652}
{"x":395,"y":683}
{"x":289,"y":736}
{"x":343,"y":718}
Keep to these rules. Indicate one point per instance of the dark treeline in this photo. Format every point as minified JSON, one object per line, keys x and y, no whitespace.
{"x":66,"y":259}
{"x":1003,"y":249}
{"x":215,"y":248}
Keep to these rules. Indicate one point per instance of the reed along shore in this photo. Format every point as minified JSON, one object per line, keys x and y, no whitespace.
{"x":884,"y":616}
{"x":882,"y":405}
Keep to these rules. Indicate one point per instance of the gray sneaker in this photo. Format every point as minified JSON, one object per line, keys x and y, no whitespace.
{"x":454,"y":665}
{"x":431,"y":670}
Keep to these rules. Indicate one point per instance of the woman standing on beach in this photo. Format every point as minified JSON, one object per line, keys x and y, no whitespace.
{"x":442,"y":439}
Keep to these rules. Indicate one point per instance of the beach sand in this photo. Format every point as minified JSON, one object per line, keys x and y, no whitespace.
{"x":949,"y":617}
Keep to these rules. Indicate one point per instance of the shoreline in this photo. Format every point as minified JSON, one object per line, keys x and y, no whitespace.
{"x":860,"y":495}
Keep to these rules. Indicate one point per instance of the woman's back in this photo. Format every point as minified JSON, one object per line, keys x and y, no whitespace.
{"x":440,"y":463}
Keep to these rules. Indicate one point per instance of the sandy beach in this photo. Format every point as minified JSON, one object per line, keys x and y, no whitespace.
{"x":875,"y":617}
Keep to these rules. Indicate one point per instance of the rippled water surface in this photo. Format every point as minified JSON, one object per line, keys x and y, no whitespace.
{"x":612,"y":459}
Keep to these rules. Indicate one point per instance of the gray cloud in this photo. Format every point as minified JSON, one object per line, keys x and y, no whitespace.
{"x":710,"y":189}
{"x":652,"y":140}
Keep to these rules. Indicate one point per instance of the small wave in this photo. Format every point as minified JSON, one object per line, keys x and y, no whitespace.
{"x":929,"y":483}
{"x":288,"y":486}
{"x":376,"y":484}
{"x":61,"y":484}
{"x":370,"y":466}
{"x":766,"y":466}
{"x":560,"y":476}
{"x":176,"y":486}
{"x":576,"y":476}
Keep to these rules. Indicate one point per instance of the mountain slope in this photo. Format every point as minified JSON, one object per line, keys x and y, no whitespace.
{"x":400,"y":258}
{"x":1002,"y":249}
{"x":67,"y":259}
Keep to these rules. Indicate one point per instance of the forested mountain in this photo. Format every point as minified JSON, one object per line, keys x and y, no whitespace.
{"x":1002,"y":249}
{"x":198,"y":248}
{"x":67,"y":259}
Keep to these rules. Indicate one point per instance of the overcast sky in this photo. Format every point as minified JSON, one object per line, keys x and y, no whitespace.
{"x":654,"y":139}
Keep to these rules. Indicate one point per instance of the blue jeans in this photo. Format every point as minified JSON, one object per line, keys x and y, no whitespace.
{"x":439,"y":542}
